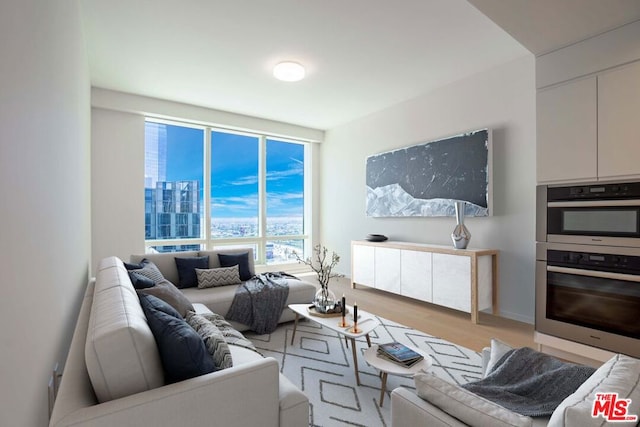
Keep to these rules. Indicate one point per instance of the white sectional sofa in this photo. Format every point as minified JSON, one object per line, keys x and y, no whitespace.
{"x":113,"y":373}
{"x":219,"y":299}
{"x":452,"y":406}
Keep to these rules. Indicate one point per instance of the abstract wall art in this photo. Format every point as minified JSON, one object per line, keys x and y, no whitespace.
{"x":427,"y":179}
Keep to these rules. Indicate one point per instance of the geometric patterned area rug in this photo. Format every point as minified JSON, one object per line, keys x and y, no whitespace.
{"x":320,"y":364}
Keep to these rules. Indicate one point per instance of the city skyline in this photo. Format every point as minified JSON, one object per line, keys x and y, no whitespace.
{"x":234,"y":169}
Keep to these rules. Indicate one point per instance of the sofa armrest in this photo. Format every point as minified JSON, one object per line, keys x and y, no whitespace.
{"x":204,"y":400}
{"x":409,"y":410}
{"x":294,"y":405}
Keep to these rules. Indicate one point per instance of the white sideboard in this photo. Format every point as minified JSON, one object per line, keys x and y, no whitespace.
{"x":462,"y":279}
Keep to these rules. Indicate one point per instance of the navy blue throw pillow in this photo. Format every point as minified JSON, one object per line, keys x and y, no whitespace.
{"x":148,"y":302}
{"x":187,"y":270}
{"x":182,"y":351}
{"x":139,"y":281}
{"x":130,"y":266}
{"x":241,"y":260}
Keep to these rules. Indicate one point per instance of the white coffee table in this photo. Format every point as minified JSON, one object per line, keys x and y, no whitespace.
{"x":367,"y":322}
{"x":386,"y":367}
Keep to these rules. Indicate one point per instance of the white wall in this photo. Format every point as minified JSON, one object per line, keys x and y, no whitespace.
{"x":44,"y":186}
{"x":117,"y":184}
{"x":502,"y":99}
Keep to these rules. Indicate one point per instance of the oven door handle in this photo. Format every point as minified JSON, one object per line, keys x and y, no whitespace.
{"x":594,"y":203}
{"x":593,"y":273}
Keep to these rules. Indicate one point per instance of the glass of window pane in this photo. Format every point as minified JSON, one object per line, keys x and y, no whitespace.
{"x":174,"y":248}
{"x":241,"y":246}
{"x":285,"y":188}
{"x":234,"y":185}
{"x":174,"y":178}
{"x":281,"y":251}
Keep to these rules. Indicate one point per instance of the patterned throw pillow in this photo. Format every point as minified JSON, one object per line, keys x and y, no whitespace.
{"x":146,"y":268}
{"x":208,"y":278}
{"x":231,"y":336}
{"x":213,"y":340}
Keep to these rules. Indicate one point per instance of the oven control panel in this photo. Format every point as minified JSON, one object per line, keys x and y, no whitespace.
{"x":629,"y":190}
{"x":595,"y":261}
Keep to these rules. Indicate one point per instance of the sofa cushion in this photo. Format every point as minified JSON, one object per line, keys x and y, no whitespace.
{"x":187,"y":270}
{"x":213,"y":340}
{"x":182,"y":350}
{"x":120,"y":350}
{"x":464,"y":405}
{"x":223,"y":276}
{"x":620,"y":374}
{"x":241,"y":260}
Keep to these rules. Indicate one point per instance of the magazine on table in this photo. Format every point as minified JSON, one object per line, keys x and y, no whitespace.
{"x":399,"y":353}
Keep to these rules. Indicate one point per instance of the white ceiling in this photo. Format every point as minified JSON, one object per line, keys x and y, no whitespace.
{"x":361,"y":55}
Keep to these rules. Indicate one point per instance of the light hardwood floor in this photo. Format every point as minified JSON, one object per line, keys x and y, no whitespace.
{"x":451,"y":325}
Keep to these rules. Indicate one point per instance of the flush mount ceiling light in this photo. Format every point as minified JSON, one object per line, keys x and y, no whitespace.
{"x":289,"y":71}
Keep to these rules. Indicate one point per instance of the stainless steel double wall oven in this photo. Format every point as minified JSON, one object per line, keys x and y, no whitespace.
{"x":588,"y":264}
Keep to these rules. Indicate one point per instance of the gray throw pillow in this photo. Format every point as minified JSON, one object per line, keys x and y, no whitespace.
{"x":211,"y":277}
{"x":213,"y":340}
{"x":166,"y":291}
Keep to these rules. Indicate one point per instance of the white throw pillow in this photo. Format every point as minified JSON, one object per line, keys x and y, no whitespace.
{"x":469,"y":408}
{"x":498,"y":350}
{"x":620,"y":374}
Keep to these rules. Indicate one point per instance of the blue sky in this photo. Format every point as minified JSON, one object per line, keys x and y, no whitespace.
{"x":234,"y":171}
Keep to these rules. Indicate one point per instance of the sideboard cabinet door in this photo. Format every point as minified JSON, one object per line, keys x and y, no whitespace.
{"x":363,"y":261}
{"x":451,"y":278}
{"x":415,"y":275}
{"x":387,"y":269}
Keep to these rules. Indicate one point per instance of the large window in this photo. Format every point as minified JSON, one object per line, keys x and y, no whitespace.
{"x":254,"y":195}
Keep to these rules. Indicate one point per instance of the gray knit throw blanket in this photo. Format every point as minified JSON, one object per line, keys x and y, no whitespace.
{"x":259,"y":302}
{"x":529,"y":382}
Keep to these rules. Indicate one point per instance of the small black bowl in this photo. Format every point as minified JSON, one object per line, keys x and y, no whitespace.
{"x":376,"y":238}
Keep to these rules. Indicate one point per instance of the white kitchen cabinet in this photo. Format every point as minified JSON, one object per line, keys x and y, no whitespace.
{"x":567,"y":120}
{"x":618,"y":122}
{"x":587,"y":128}
{"x":463,"y":279}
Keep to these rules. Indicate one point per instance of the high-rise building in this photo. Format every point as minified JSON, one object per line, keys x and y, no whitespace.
{"x":172,"y":210}
{"x":155,"y":162}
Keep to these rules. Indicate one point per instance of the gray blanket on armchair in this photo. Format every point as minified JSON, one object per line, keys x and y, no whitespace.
{"x":259,"y":301}
{"x":530,"y":383}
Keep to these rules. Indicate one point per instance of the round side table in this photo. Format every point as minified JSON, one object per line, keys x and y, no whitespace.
{"x":387,"y":367}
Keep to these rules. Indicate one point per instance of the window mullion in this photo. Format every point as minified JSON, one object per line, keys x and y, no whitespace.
{"x":206,"y":189}
{"x":262,"y":198}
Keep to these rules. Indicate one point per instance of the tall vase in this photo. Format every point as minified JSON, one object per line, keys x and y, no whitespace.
{"x":461,"y":234}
